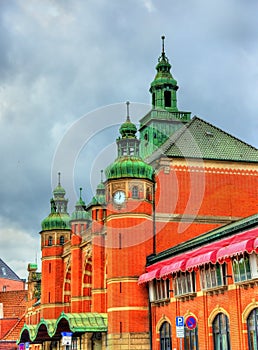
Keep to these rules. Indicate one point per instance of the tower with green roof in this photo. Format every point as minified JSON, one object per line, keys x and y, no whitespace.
{"x":55,"y":233}
{"x":129,"y":238}
{"x":164,"y":118}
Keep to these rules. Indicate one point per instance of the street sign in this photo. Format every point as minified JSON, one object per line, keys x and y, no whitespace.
{"x":179,"y":321}
{"x":191,"y":322}
{"x":180,"y":332}
{"x":66,"y":338}
{"x":180,"y":327}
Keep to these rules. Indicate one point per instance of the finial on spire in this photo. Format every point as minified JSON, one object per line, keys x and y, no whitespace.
{"x":163,"y":44}
{"x":101,"y":175}
{"x":127,"y":108}
{"x":80,"y":192}
{"x":59,"y":178}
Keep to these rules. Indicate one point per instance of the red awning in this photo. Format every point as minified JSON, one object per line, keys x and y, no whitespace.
{"x":149,"y":276}
{"x":235,"y":249}
{"x":176,"y":265}
{"x":201,"y":259}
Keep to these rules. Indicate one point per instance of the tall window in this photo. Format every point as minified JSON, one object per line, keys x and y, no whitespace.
{"x":213,"y":276}
{"x":62,"y":240}
{"x":165,"y":336}
{"x":167,"y":96}
{"x":50,"y":240}
{"x":159,"y":290}
{"x":220,"y":330}
{"x":241,"y":268}
{"x":184,"y":283}
{"x":153,"y":99}
{"x":252,"y":329}
{"x":135,"y":192}
{"x":191,"y":339}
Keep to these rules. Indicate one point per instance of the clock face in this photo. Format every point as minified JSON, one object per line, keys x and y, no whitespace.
{"x":119,"y":197}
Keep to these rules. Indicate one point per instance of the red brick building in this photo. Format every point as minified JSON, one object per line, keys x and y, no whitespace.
{"x":149,"y":247}
{"x":13,"y":297}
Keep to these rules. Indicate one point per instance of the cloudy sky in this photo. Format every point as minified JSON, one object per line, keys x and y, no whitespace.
{"x":68,"y":66}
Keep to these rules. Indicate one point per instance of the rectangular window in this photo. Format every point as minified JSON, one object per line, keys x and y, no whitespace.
{"x":241,"y":268}
{"x":213,"y":276}
{"x":184,"y":283}
{"x":159,"y":290}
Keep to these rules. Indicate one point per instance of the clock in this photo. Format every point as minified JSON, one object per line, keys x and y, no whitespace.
{"x":119,"y":197}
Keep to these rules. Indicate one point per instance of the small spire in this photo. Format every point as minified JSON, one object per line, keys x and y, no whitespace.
{"x":127,"y":108}
{"x":101,"y":175}
{"x":163,"y":44}
{"x":80,"y":192}
{"x":59,"y":178}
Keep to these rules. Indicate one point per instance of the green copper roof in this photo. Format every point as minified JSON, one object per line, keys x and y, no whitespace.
{"x":80,"y":212}
{"x":128,"y":129}
{"x":56,"y":221}
{"x":128,"y":163}
{"x":100,"y":196}
{"x":77,"y":323}
{"x":199,"y":139}
{"x":59,"y":217}
{"x":163,"y":75}
{"x":129,"y":167}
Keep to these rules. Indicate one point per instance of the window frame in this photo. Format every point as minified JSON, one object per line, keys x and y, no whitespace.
{"x":184,"y":283}
{"x":219,"y":337}
{"x":159,"y":290}
{"x":241,"y":261}
{"x":213,"y":276}
{"x":252,"y":336}
{"x":193,"y":343}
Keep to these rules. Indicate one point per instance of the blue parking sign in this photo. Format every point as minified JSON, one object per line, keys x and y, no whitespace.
{"x":180,"y":321}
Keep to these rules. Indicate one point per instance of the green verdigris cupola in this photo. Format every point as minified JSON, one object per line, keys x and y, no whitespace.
{"x":59,"y":217}
{"x":128,"y":162}
{"x":164,"y":118}
{"x":164,"y":86}
{"x":100,"y":196}
{"x":80,"y":212}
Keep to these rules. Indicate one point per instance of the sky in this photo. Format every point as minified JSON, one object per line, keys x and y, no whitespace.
{"x":67,"y":67}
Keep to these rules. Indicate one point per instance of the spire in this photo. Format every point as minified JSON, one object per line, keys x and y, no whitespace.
{"x":127,"y":108}
{"x":58,"y":217}
{"x":163,"y":44}
{"x":164,"y":86}
{"x":80,"y":212}
{"x":128,"y":129}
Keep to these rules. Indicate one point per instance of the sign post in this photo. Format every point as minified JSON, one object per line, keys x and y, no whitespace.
{"x":180,"y":329}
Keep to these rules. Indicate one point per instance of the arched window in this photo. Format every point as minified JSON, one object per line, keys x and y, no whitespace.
{"x":62,"y":240}
{"x":165,"y":336}
{"x":50,"y":240}
{"x":220,"y":330}
{"x":252,"y":329}
{"x":167,"y":97}
{"x":135,"y":192}
{"x":191,"y":339}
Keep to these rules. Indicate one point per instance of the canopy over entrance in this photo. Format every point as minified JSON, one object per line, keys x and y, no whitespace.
{"x":76,"y":323}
